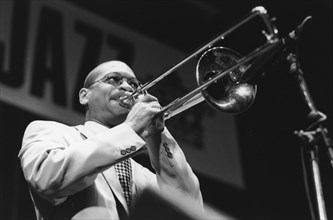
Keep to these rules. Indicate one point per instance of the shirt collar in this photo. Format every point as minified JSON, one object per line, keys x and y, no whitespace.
{"x":95,"y":127}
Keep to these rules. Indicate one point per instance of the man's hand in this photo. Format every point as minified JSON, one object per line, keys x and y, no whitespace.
{"x":144,"y":118}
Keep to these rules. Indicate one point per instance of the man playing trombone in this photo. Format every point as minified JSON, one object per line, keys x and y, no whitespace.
{"x":86,"y":171}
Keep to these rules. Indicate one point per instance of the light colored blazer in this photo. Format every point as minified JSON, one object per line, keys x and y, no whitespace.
{"x":73,"y":178}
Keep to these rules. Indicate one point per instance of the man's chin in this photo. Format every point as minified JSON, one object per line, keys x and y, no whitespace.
{"x":124,"y":110}
{"x":114,"y":104}
{"x":122,"y":113}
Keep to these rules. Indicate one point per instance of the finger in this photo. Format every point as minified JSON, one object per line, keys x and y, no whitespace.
{"x":159,"y":120}
{"x":156,"y":105}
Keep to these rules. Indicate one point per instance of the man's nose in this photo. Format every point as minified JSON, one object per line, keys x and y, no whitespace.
{"x":125,"y":86}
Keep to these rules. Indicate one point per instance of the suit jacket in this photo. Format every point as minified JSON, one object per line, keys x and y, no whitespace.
{"x":71,"y":177}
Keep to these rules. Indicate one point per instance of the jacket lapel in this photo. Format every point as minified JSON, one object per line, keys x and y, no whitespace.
{"x":113,"y":180}
{"x":110,"y":174}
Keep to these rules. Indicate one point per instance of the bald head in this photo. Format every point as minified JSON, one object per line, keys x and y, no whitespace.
{"x":104,"y":68}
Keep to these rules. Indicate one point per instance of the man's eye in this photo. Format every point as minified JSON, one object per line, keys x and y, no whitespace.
{"x":134,"y":85}
{"x":114,"y":79}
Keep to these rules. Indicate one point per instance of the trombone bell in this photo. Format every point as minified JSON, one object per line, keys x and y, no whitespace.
{"x":228,"y":94}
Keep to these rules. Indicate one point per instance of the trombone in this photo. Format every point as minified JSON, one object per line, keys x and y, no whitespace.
{"x":221,"y":66}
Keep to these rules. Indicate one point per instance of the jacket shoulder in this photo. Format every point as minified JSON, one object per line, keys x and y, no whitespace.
{"x":42,"y":125}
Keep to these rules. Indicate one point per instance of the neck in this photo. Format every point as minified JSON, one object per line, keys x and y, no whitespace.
{"x":104,"y":123}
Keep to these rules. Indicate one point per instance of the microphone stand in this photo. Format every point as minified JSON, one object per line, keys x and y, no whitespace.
{"x":314,"y":138}
{"x":315,"y":135}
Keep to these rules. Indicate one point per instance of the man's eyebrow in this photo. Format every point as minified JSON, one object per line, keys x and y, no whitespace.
{"x":119,"y":74}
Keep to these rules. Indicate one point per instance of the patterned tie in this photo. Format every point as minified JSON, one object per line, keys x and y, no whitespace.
{"x":124,"y":171}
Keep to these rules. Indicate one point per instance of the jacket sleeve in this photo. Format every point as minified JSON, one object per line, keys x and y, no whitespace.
{"x":173,"y":172}
{"x":56,"y":164}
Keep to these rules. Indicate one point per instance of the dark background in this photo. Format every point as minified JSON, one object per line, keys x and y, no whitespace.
{"x":270,"y":152}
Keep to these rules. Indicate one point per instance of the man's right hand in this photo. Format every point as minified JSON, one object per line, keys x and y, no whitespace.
{"x":143,"y":117}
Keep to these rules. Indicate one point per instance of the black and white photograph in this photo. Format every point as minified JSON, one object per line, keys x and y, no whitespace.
{"x":166,"y":109}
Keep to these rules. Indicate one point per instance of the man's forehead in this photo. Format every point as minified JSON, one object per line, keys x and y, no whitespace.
{"x":113,"y":66}
{"x":108,"y":67}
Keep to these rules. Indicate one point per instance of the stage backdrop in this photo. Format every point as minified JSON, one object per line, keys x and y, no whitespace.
{"x":248,"y":166}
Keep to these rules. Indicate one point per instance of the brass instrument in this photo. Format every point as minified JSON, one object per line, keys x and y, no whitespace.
{"x":221,"y":66}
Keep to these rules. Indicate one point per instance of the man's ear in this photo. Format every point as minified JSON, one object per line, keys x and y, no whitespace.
{"x":83,"y":96}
